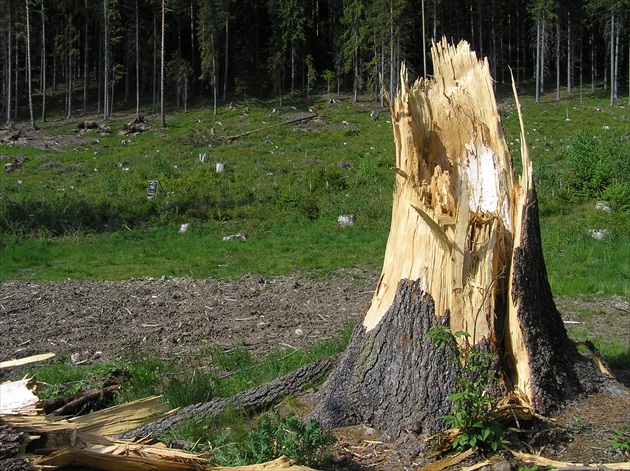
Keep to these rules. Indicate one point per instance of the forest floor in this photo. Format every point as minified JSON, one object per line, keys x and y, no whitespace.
{"x":93,"y":321}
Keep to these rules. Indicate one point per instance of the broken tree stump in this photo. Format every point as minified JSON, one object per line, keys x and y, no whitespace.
{"x":464,"y":252}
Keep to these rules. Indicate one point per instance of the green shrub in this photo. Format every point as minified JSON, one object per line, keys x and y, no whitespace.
{"x":621,"y":440}
{"x":617,"y":194}
{"x":330,"y":179}
{"x":472,"y":406}
{"x":594,"y":163}
{"x":272,"y":436}
{"x":309,"y":207}
{"x":368,"y":175}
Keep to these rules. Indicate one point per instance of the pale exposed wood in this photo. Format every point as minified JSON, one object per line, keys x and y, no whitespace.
{"x":542,"y":461}
{"x":596,"y":358}
{"x":158,"y":460}
{"x":25,"y":361}
{"x":18,"y":397}
{"x":476,"y":466}
{"x":452,"y":198}
{"x":523,"y":194}
{"x":281,"y":463}
{"x":110,"y":462}
{"x":449,"y":461}
{"x":458,"y":210}
{"x":87,"y":441}
{"x":464,"y":252}
{"x":123,"y":418}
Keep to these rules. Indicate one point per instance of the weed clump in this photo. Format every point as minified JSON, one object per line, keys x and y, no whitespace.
{"x":271,"y":436}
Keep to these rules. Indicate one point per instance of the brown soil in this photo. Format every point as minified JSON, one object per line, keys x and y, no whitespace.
{"x":112,"y":320}
{"x":88,"y":321}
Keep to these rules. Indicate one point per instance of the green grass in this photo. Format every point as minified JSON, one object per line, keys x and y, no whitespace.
{"x":273,"y":249}
{"x":191,"y":379}
{"x":78,"y":213}
{"x":579,"y":264}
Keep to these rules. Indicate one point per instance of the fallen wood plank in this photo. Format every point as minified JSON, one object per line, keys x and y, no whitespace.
{"x":112,"y":421}
{"x":449,"y":461}
{"x":98,"y":461}
{"x":282,"y":463}
{"x":292,"y":121}
{"x":108,"y":462}
{"x":25,"y":361}
{"x":120,"y":419}
{"x":476,"y":466}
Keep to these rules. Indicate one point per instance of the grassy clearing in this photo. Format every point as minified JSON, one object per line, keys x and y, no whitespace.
{"x":81,"y":211}
{"x":274,"y":249}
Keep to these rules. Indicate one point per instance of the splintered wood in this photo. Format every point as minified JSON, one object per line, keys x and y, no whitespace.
{"x":452,"y":199}
{"x":17,"y":397}
{"x":88,"y":441}
{"x":457,"y":206}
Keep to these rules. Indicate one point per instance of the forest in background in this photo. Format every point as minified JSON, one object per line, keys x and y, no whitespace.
{"x":95,"y":54}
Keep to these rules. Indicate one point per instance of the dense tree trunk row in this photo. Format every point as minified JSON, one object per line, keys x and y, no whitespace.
{"x":260,"y":47}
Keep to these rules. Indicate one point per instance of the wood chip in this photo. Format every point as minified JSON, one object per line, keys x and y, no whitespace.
{"x":449,"y":461}
{"x":542,"y":461}
{"x":25,"y":361}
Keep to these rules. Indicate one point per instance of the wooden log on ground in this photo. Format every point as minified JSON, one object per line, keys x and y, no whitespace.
{"x":77,"y":405}
{"x":254,"y":399}
{"x":5,"y":365}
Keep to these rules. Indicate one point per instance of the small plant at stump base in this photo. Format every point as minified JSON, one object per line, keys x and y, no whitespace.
{"x":472,"y":407}
{"x":621,"y":440}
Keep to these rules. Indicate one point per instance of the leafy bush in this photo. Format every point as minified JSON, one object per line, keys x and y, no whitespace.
{"x":472,"y":406}
{"x":594,"y":164}
{"x":621,"y":440}
{"x":369,"y":176}
{"x":331,"y":179}
{"x":617,"y":195}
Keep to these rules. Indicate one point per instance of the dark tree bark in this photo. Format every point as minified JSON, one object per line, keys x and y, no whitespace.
{"x":137,"y":50}
{"x":106,"y":57}
{"x":464,"y":251}
{"x":569,"y":56}
{"x":8,"y":64}
{"x":85,"y":59}
{"x":162,"y":115}
{"x":392,"y":387}
{"x":43,"y":64}
{"x":28,"y":66}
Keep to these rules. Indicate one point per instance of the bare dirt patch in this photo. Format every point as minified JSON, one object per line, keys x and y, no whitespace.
{"x":89,"y":321}
{"x":111,"y":320}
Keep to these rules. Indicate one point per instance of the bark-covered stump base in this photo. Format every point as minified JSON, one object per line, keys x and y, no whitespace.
{"x":393,"y":376}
